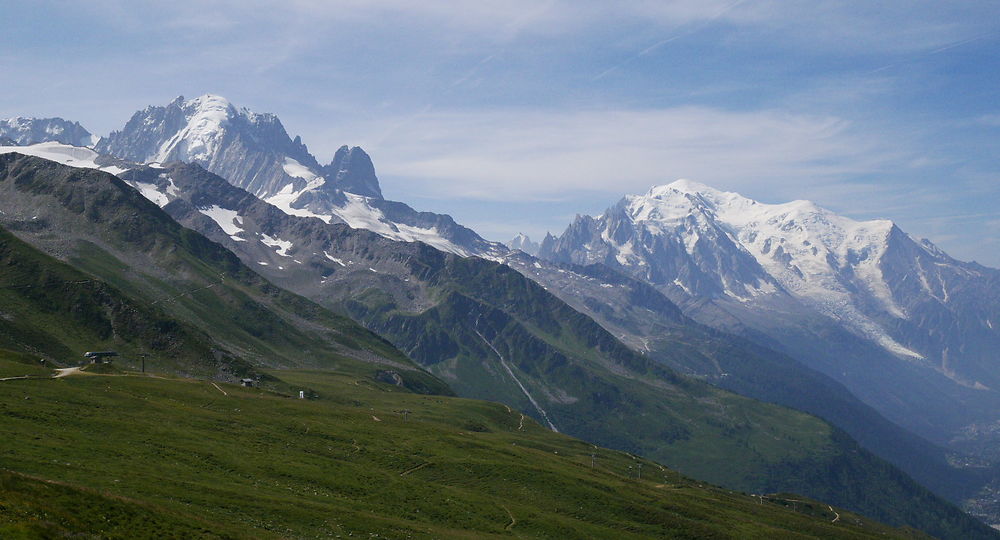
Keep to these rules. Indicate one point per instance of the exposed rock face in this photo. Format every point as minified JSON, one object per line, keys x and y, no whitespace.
{"x":352,"y":170}
{"x":24,"y":131}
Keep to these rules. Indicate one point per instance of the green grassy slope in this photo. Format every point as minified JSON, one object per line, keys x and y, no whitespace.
{"x":137,"y":263}
{"x":108,"y":230}
{"x":57,"y":312}
{"x":51,"y":310}
{"x":195,"y":461}
{"x":33,"y":508}
{"x":639,"y":314}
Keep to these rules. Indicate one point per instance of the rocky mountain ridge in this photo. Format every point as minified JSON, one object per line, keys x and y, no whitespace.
{"x":253,"y":151}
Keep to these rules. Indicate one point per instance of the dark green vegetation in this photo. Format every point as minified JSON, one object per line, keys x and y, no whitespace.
{"x":142,"y":283}
{"x":22,"y":365}
{"x":55,"y":311}
{"x":32,"y":508}
{"x":249,"y":463}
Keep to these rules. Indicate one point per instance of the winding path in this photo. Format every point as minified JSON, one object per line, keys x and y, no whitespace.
{"x":512,"y":520}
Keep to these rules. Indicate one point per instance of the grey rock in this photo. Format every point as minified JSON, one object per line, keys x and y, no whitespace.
{"x":352,"y":170}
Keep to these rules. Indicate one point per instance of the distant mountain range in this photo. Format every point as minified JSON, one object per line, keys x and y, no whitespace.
{"x":646,"y":270}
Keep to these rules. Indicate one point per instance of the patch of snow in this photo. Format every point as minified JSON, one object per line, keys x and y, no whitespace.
{"x":172,"y":188}
{"x":228,"y":220}
{"x":150,"y":192}
{"x":293,"y":168}
{"x":284,"y":199}
{"x":682,"y":286}
{"x":334,"y":259}
{"x":360,"y":215}
{"x":282,"y":245}
{"x":357,"y":213}
{"x":74,"y":156}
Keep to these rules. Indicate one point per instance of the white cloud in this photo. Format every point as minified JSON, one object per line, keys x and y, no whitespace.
{"x":533,"y":155}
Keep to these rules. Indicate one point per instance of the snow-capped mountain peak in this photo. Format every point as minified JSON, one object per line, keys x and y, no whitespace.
{"x":249,"y":149}
{"x":206,"y":119}
{"x":702,"y":241}
{"x":681,"y":185}
{"x":254,"y":152}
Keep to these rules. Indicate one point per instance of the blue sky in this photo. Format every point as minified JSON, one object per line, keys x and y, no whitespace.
{"x":514,"y":116}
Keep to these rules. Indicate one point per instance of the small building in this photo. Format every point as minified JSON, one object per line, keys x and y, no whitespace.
{"x":100,"y":357}
{"x":247,"y":382}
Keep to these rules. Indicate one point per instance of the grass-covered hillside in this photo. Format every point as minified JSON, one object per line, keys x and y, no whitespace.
{"x":128,"y":456}
{"x":489,"y":318}
{"x":128,"y":276}
{"x":643,"y":318}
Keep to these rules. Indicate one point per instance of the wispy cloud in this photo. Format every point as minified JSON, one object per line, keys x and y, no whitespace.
{"x":531,"y":154}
